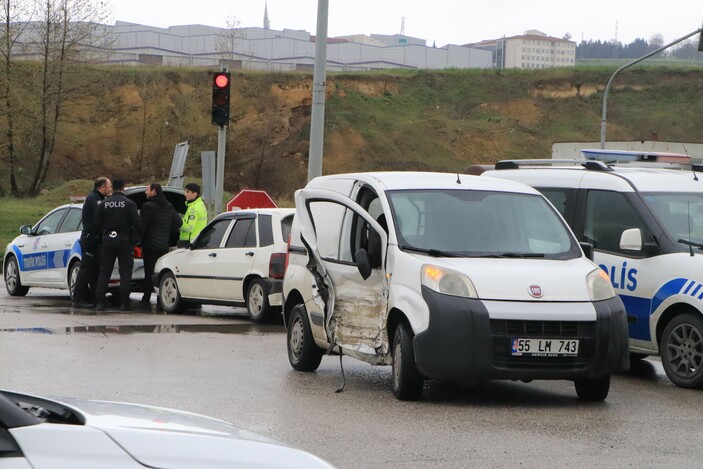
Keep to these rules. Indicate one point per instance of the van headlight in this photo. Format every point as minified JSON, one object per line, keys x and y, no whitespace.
{"x":449,"y":282}
{"x":599,"y":286}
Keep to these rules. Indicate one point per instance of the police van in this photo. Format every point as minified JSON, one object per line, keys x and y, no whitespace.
{"x":447,"y":276}
{"x":643,"y":214}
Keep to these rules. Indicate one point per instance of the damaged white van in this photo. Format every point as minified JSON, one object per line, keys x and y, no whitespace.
{"x":450,"y":277}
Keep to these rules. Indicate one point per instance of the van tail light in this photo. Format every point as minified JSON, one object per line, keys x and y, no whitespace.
{"x":137,"y":252}
{"x":277,"y":265}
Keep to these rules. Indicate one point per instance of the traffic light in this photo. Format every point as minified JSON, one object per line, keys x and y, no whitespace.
{"x":700,"y":43}
{"x":220,"y":98}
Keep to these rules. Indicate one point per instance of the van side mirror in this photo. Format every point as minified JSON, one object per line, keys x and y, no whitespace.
{"x":587,"y":250}
{"x":26,"y":229}
{"x":362,"y":263}
{"x":631,"y":240}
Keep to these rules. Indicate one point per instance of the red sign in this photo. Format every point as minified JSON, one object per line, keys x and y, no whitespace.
{"x":250,"y":199}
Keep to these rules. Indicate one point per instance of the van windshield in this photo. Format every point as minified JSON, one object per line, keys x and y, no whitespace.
{"x":450,"y":222}
{"x":681,"y":213}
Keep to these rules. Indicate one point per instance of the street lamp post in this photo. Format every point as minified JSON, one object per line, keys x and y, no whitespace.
{"x":629,"y":64}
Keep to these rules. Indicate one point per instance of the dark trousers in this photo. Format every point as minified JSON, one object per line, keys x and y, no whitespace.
{"x":150,"y":258}
{"x":122,"y":250}
{"x":87,"y":280}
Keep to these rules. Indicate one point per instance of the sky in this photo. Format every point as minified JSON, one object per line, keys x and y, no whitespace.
{"x":439,"y":22}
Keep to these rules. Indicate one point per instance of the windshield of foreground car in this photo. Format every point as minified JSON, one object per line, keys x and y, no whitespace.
{"x":681,"y":213}
{"x":467,"y":223}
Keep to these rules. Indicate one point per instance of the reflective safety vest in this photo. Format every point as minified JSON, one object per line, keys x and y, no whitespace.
{"x":194,"y":220}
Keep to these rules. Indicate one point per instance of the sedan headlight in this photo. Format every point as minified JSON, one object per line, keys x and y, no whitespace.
{"x":599,"y":286}
{"x":449,"y":282}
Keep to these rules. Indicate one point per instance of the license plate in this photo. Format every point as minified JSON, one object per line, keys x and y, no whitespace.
{"x":545,"y":347}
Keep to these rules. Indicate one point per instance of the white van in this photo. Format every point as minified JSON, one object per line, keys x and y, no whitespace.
{"x":447,"y":276}
{"x":643,"y":214}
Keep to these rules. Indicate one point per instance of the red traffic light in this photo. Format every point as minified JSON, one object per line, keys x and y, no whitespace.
{"x":221,"y":80}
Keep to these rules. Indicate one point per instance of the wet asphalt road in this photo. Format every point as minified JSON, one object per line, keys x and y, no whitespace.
{"x":218,"y":363}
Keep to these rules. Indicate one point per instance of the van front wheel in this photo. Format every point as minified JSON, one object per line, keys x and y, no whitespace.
{"x":681,"y":350}
{"x":593,"y":390}
{"x":407,"y":381}
{"x":303,"y":354}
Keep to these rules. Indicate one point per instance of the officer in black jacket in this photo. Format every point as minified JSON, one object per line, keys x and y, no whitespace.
{"x":160,"y":224}
{"x":91,"y":243}
{"x":118,"y":219}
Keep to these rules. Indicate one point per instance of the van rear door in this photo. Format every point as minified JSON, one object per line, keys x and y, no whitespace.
{"x":338,"y":234}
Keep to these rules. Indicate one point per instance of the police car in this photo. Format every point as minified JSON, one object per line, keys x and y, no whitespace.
{"x":643,"y":214}
{"x":48,"y":253}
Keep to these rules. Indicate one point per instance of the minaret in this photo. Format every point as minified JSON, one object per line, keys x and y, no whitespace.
{"x":267,"y":25}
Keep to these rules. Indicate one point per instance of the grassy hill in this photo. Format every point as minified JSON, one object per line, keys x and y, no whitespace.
{"x":129,"y":120}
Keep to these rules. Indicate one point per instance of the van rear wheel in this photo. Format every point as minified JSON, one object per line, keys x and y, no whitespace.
{"x":681,"y":350}
{"x":407,"y":381}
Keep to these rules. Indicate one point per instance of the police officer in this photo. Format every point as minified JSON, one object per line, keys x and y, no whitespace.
{"x":195,"y":217}
{"x":159,"y":224}
{"x":118,"y":219}
{"x":91,"y":244}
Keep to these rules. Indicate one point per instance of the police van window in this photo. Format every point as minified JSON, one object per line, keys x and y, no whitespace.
{"x":557,"y":197}
{"x":608,"y":214}
{"x":211,"y":236}
{"x":680,"y":213}
{"x":50,"y":224}
{"x":243,"y":234}
{"x":72,"y":222}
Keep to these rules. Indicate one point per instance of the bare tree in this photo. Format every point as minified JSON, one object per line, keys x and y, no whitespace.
{"x":227,"y":38}
{"x":68,"y":31}
{"x":15,"y":14}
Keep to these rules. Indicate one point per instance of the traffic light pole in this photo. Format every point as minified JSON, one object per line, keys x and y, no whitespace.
{"x":220,"y":168}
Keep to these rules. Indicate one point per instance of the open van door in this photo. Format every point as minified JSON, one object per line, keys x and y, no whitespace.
{"x":347,"y":259}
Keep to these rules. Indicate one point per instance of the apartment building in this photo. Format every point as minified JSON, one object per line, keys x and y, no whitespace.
{"x":534,"y":49}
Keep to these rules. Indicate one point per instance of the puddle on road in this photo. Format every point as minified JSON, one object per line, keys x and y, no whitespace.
{"x":241,"y":329}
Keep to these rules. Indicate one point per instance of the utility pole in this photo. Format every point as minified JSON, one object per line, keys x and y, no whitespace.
{"x":317,"y":123}
{"x":630,"y":64}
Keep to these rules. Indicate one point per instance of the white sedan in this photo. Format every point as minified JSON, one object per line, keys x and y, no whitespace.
{"x":238,"y":259}
{"x":38,"y":433}
{"x":48,"y":254}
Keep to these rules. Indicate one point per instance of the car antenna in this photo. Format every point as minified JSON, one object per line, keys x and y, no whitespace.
{"x":693,"y":169}
{"x":458,"y":181}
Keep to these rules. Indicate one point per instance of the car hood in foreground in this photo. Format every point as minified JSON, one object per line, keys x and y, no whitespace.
{"x":166,"y":438}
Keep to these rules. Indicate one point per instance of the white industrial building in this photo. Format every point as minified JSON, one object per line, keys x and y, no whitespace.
{"x":272,"y":50}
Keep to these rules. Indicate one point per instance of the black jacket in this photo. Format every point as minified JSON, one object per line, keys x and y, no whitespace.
{"x":160,"y":223}
{"x":118,"y":214}
{"x":90,"y":206}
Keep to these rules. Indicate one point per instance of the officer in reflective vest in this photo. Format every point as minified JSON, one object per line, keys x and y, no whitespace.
{"x":195,"y":217}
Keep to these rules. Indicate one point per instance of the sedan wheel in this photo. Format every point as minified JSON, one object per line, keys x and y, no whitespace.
{"x":169,"y":296}
{"x":681,"y":350}
{"x":257,"y":301}
{"x":12,"y":278}
{"x":72,"y":277}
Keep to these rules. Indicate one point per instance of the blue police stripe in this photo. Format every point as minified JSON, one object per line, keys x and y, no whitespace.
{"x":639,"y":308}
{"x":670,"y":288}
